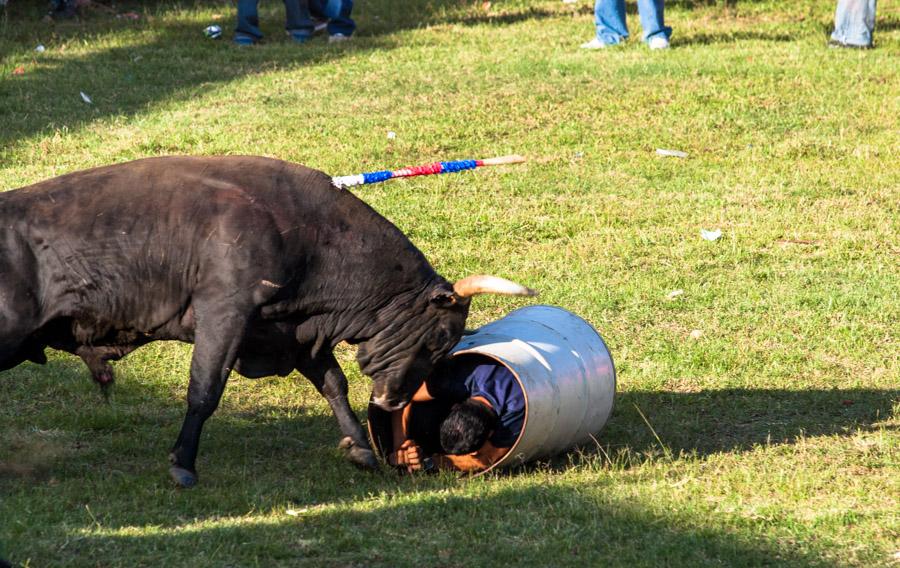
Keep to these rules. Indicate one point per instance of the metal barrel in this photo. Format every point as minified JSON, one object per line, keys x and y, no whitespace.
{"x":566,"y":373}
{"x":564,"y":368}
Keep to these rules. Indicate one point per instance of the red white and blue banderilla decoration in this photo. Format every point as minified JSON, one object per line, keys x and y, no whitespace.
{"x":424,"y":170}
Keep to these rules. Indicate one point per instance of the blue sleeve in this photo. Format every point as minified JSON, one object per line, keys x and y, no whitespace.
{"x":500,"y":387}
{"x":508,"y":429}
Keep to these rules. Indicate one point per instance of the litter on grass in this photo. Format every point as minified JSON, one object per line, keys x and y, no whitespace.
{"x":86,"y":98}
{"x":671,"y":153}
{"x":20,"y":70}
{"x":40,"y":48}
{"x":710,"y":235}
{"x":674,"y":294}
{"x":696,"y":334}
{"x":213,"y":31}
{"x":391,"y":135}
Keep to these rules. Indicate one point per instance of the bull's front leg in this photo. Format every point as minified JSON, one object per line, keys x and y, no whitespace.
{"x":325,"y":373}
{"x":218,"y":336}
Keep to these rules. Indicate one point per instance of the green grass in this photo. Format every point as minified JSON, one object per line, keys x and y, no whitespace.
{"x":779,"y":424}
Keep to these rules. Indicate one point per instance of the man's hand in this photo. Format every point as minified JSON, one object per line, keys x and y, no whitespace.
{"x":408,"y":455}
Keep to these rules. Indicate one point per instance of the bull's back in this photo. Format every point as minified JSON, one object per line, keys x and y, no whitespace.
{"x":131,"y":241}
{"x":127,"y":242}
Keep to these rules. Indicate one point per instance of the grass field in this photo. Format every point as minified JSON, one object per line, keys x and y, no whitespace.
{"x":771,"y":386}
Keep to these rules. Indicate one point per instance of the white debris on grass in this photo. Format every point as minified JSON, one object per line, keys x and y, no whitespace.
{"x":674,"y":294}
{"x":40,"y":48}
{"x":671,"y":153}
{"x":86,"y":98}
{"x":391,"y":135}
{"x":711,"y":235}
{"x":297,"y":512}
{"x":696,"y":334}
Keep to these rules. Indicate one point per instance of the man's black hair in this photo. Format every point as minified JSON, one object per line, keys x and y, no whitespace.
{"x":467,"y":427}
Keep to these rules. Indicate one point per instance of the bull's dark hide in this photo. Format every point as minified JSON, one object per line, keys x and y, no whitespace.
{"x":264,"y":265}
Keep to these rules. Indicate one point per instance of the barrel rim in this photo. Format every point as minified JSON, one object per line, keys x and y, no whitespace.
{"x":509,"y":367}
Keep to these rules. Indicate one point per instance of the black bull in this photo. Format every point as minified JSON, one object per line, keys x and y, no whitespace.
{"x":263,"y":265}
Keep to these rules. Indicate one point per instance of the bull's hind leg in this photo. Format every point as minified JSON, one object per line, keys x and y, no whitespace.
{"x":219,"y":332}
{"x":325,"y":373}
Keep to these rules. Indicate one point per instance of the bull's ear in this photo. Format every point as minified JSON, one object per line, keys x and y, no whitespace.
{"x":444,"y":297}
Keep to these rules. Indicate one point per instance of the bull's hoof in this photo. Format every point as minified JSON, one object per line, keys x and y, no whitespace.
{"x":363,"y":458}
{"x":183,"y":477}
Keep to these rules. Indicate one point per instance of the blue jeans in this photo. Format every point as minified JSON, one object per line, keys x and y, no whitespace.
{"x":854,"y":22}
{"x":297,"y":18}
{"x":609,"y":17}
{"x":338,"y":14}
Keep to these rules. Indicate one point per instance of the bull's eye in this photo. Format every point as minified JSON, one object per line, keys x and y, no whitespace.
{"x":437,"y":341}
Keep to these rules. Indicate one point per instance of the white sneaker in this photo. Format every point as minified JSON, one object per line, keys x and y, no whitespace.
{"x":658,"y":42}
{"x":337,"y":38}
{"x":594,"y":44}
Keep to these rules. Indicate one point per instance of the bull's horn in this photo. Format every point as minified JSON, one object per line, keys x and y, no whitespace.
{"x":483,"y":284}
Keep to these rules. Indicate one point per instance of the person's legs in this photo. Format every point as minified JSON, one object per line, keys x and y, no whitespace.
{"x":854,"y":23}
{"x":298,"y":21}
{"x":609,"y":18}
{"x":63,"y":9}
{"x":338,"y":14}
{"x":651,"y":12}
{"x":247,"y":21}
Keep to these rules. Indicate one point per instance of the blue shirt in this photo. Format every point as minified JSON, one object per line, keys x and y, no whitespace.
{"x":466,"y":377}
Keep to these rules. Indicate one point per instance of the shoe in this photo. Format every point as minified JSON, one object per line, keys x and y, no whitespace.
{"x":299,"y":36}
{"x":319,"y":25}
{"x":243,"y":39}
{"x":594,"y":44}
{"x":338,"y":38}
{"x":835,"y":44}
{"x":658,"y":42}
{"x":68,"y":11}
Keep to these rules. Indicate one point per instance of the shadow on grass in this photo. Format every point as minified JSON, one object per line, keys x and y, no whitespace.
{"x":696,"y":423}
{"x":731,"y":37}
{"x":533,"y":526}
{"x":105,"y":459}
{"x":740,"y":419}
{"x":162,"y":57}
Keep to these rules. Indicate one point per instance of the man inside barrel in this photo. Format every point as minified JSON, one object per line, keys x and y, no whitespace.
{"x":465,"y":417}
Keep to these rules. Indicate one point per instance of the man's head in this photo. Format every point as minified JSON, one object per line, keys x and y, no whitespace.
{"x":467,"y":427}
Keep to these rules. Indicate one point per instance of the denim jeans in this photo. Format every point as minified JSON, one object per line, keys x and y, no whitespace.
{"x":609,"y":17}
{"x":296,"y":12}
{"x":854,"y":22}
{"x":338,"y":14}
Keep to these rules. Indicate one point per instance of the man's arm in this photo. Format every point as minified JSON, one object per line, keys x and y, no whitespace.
{"x":483,"y":458}
{"x":422,"y":394}
{"x":405,"y":451}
